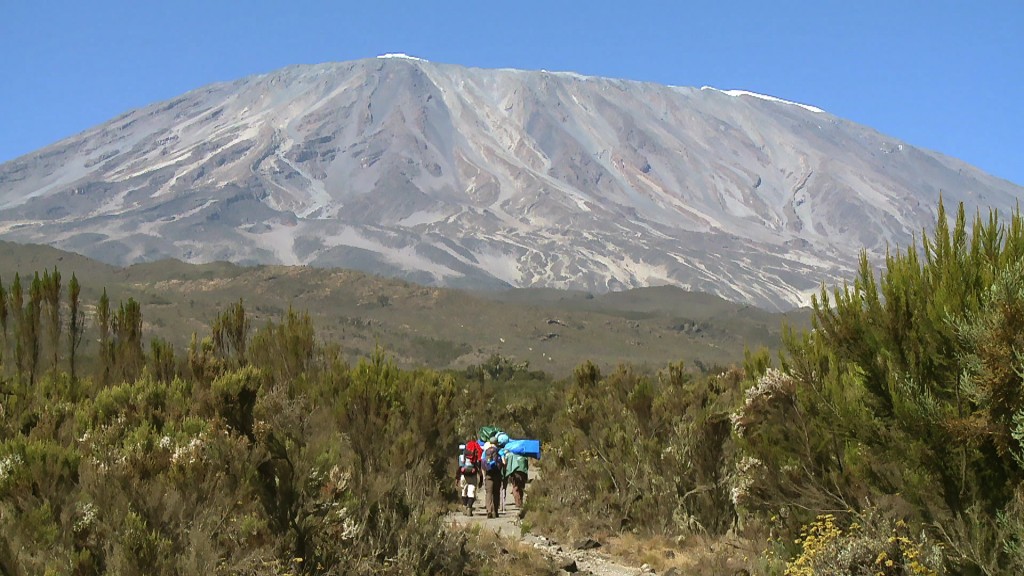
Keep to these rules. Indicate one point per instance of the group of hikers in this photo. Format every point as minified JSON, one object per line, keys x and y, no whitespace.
{"x":492,"y":462}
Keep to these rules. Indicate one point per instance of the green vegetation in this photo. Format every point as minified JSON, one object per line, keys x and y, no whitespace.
{"x":890,"y":437}
{"x":887,"y":440}
{"x":419,"y":326}
{"x":259,"y":453}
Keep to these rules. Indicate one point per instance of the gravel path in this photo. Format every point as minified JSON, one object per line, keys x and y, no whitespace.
{"x":508,"y":525}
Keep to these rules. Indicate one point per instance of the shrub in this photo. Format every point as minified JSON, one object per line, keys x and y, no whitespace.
{"x":907,"y":392}
{"x":640,"y":453}
{"x":873,"y":547}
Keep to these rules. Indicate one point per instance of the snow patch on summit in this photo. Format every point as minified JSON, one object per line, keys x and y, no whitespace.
{"x":814,"y":109}
{"x":401,"y":56}
{"x":568,"y":74}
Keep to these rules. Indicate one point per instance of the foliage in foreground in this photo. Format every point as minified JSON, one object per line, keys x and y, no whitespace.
{"x":908,"y":397}
{"x":902,"y":410}
{"x":256,"y":454}
{"x":888,"y":440}
{"x":636,"y":451}
{"x":879,"y":547}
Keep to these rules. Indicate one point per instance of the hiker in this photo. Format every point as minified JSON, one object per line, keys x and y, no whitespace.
{"x":504,"y":477}
{"x":493,"y":473}
{"x":466,"y":478}
{"x":483,"y":478}
{"x":502,"y":440}
{"x":516,"y":470}
{"x":476,"y":454}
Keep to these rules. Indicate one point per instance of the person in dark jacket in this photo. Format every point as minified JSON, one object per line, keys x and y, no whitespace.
{"x":494,"y":473}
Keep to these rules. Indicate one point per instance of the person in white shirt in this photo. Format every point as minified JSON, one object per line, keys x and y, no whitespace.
{"x":466,"y":479}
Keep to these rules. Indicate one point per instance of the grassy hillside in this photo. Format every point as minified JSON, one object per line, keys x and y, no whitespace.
{"x":552,"y":330}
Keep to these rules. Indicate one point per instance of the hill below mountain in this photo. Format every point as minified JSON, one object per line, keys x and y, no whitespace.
{"x":446,"y":175}
{"x":548,"y":330}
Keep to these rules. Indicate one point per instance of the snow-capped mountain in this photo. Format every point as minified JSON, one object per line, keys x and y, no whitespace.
{"x":468,"y":177}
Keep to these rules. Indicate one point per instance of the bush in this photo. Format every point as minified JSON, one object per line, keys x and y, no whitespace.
{"x":873,"y":547}
{"x":639,"y":453}
{"x":270,"y":456}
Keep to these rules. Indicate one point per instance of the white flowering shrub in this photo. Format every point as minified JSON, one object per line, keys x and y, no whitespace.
{"x":773,"y":387}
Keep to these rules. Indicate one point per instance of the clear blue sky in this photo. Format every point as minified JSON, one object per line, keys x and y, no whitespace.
{"x":941,"y":74}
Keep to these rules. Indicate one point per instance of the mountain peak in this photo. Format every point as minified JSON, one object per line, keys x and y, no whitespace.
{"x":475,"y":177}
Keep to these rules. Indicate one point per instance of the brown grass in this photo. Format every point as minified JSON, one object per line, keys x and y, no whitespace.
{"x":510,"y":557}
{"x":694,"y":555}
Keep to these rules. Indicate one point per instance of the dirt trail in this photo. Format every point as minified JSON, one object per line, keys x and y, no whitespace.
{"x":508,"y":525}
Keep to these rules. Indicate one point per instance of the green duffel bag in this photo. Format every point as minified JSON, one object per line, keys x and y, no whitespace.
{"x":488,"y":432}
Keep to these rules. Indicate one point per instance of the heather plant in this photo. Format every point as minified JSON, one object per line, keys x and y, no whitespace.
{"x":260,"y":457}
{"x":76,"y":324}
{"x":4,"y":316}
{"x":30,"y":329}
{"x":639,"y":452}
{"x":51,"y":288}
{"x":15,"y":302}
{"x":907,"y":392}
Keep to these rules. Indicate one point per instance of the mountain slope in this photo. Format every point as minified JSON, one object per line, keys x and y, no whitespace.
{"x":481,"y":178}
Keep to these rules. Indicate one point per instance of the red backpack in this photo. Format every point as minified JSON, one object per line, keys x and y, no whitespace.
{"x":473,"y":453}
{"x":468,"y":465}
